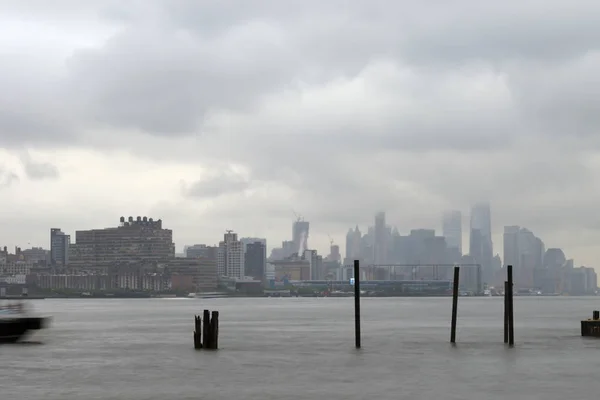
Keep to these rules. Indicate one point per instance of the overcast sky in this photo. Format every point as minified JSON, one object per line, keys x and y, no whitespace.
{"x":232,"y":114}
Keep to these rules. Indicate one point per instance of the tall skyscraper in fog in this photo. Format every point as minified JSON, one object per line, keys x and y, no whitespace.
{"x":481,"y":247}
{"x":481,"y":219}
{"x":525,"y":252}
{"x":353,"y":245}
{"x":511,"y":246}
{"x":452,"y":229}
{"x":380,"y":240}
{"x":300,"y":236}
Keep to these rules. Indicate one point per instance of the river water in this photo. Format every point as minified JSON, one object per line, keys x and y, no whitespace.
{"x":303,"y":348}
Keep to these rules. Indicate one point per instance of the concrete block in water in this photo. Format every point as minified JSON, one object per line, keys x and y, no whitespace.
{"x":591,"y":327}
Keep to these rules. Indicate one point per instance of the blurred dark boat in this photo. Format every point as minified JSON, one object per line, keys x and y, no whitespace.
{"x":16,"y":322}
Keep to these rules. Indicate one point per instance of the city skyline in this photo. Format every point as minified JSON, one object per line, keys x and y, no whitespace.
{"x":236,"y":119}
{"x":274,"y":243}
{"x":139,"y":253}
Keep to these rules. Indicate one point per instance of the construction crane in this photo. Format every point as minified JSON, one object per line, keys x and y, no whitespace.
{"x":298,"y":216}
{"x":330,"y":240}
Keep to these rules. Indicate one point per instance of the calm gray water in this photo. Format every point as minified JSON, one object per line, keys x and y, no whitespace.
{"x":304,"y":349}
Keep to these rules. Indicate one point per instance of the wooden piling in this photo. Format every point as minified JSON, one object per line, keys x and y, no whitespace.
{"x":596,"y":315}
{"x":505,"y":311}
{"x":214,"y":331}
{"x":209,"y":326}
{"x":511,"y":315}
{"x":357,"y":303}
{"x":197,"y":332}
{"x":454,"y":304}
{"x":206,"y":329}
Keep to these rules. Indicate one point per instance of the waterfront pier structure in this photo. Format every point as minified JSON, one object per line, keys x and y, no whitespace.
{"x":591,"y":327}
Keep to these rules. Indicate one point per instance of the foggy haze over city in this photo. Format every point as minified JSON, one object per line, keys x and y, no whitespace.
{"x":299,"y":199}
{"x":237,"y":116}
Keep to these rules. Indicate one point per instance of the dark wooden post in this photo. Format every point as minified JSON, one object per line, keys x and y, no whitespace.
{"x":214,"y":330}
{"x":197,"y":332}
{"x":454,"y":304}
{"x":357,"y":303}
{"x":505,"y":312}
{"x":206,"y":329}
{"x":596,"y":315}
{"x":511,"y":319}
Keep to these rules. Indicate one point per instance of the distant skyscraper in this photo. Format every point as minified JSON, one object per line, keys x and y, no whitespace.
{"x":255,"y":260}
{"x":554,"y":259}
{"x":230,"y":257}
{"x":452,"y":229}
{"x":525,"y":252}
{"x":334,"y":253}
{"x":511,"y":246}
{"x":380,"y":240}
{"x":59,"y":247}
{"x":349,"y":245}
{"x":353,"y":245}
{"x":481,"y":219}
{"x":300,"y":236}
{"x":481,"y":247}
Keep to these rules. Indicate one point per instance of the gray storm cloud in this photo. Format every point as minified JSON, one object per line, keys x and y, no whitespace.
{"x":342,"y":107}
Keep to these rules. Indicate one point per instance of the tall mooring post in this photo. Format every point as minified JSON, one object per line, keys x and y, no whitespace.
{"x":357,"y":304}
{"x":505,"y":312}
{"x":214,"y":330}
{"x":205,"y":329}
{"x":508,"y":294}
{"x":454,"y":304}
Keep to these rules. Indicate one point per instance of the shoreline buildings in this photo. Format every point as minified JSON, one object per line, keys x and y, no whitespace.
{"x":139,"y":254}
